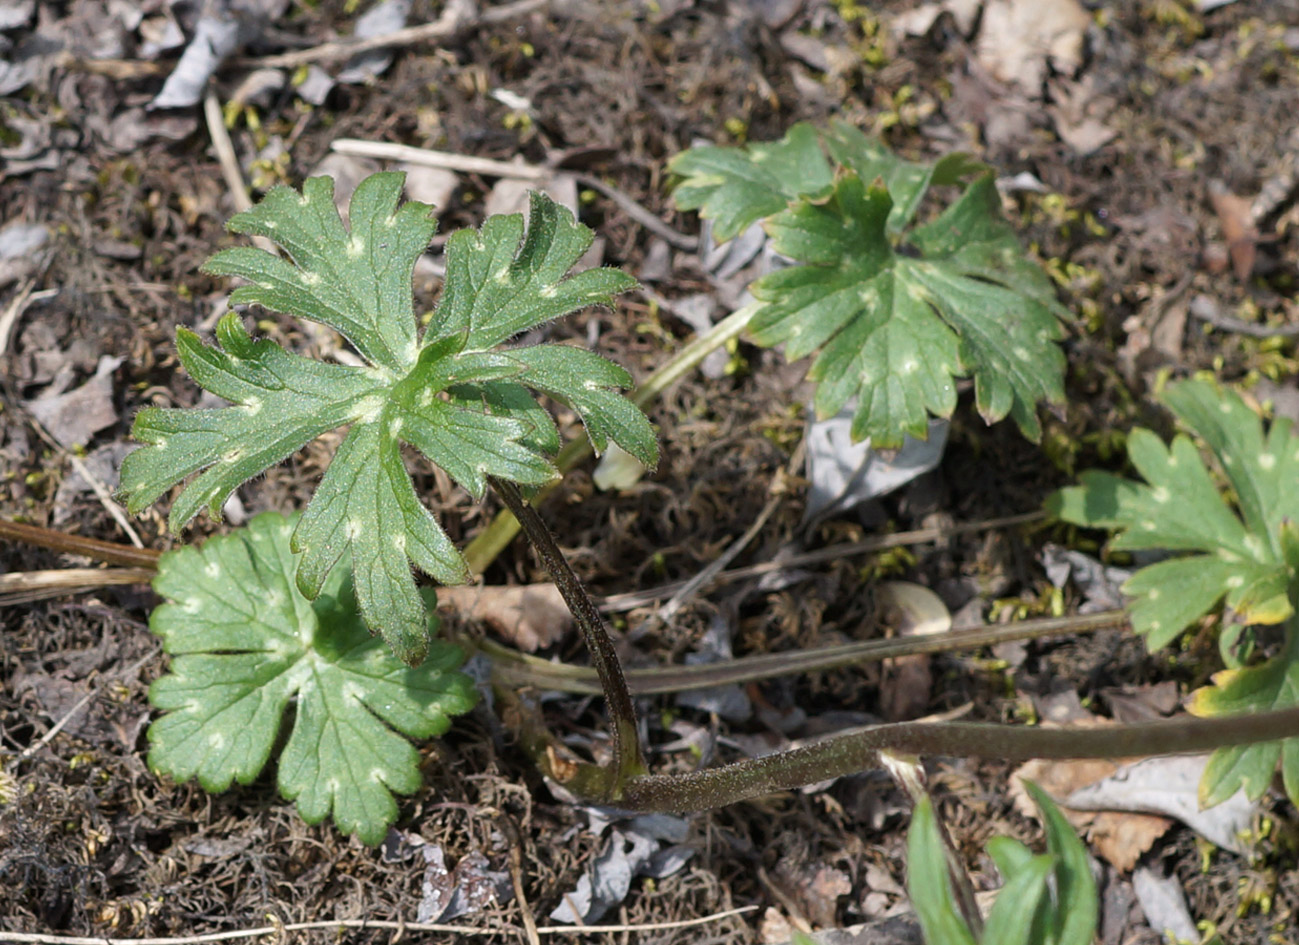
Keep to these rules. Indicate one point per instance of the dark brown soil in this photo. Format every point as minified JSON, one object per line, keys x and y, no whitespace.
{"x":92,"y":843}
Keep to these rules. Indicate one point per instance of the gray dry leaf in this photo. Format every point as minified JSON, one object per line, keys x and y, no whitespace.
{"x":1164,"y":903}
{"x":530,"y":616}
{"x":607,"y":881}
{"x":380,"y":20}
{"x":74,"y":417}
{"x":22,"y":250}
{"x":215,"y":37}
{"x":844,"y":474}
{"x":1169,"y":786}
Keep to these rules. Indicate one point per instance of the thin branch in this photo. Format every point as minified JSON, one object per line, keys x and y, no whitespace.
{"x":101,"y":491}
{"x":110,"y":551}
{"x":445,"y":160}
{"x":520,"y":669}
{"x":22,"y":587}
{"x":38,"y":938}
{"x":616,"y":603}
{"x":444,"y":28}
{"x":629,"y":759}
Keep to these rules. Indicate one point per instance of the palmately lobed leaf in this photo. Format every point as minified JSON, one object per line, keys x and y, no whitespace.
{"x":894,"y":331}
{"x":245,"y":645}
{"x":897,"y":312}
{"x":1243,"y":550}
{"x":1179,"y":507}
{"x":453,"y":393}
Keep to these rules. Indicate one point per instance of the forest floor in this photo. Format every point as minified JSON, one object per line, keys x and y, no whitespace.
{"x":1132,"y":145}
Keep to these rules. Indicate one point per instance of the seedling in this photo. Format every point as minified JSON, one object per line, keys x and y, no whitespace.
{"x":452,"y":392}
{"x":465,"y":401}
{"x":1046,"y":899}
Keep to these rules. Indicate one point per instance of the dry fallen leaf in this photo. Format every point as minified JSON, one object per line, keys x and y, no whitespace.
{"x":1238,"y":232}
{"x":530,"y":616}
{"x":908,"y":610}
{"x":72,"y":418}
{"x":1121,"y":838}
{"x":1017,"y":39}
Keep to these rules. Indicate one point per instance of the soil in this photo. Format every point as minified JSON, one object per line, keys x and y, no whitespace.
{"x":1123,"y":149}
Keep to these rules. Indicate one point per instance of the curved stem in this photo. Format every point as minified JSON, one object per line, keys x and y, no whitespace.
{"x":492,"y":540}
{"x":629,"y":760}
{"x":519,"y":669}
{"x":858,"y":751}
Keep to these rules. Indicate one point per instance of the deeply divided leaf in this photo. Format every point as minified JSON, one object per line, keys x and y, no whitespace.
{"x":453,"y":393}
{"x":246,"y":645}
{"x":897,"y":312}
{"x":1237,"y":547}
{"x":894,"y":330}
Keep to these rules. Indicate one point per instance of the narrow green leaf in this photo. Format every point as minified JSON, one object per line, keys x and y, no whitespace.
{"x":928,"y":883}
{"x":1011,"y":921}
{"x":244,"y":643}
{"x":1077,"y":908}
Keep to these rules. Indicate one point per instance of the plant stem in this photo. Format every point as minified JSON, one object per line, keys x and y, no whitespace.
{"x":629,"y":759}
{"x":858,"y":751}
{"x":519,"y":669}
{"x":494,"y":539}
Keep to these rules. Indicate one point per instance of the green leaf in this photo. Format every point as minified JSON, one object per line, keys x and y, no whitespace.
{"x":1244,"y":549}
{"x":896,"y":331}
{"x":736,"y":187}
{"x":1179,"y":507}
{"x":906,"y":181}
{"x":465,"y":404}
{"x":245,"y":644}
{"x":928,"y":883}
{"x":1077,"y":908}
{"x":1011,"y":921}
{"x":1273,"y":684}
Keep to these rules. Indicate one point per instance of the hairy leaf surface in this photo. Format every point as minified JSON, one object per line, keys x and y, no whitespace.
{"x":453,"y":393}
{"x":245,"y":644}
{"x":1237,"y":549}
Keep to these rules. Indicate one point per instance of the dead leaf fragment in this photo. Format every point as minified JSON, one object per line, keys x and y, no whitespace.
{"x":1238,"y":232}
{"x":74,"y":417}
{"x":1018,"y":39}
{"x":530,"y":616}
{"x":908,"y":610}
{"x":1170,"y":786}
{"x":1120,"y":838}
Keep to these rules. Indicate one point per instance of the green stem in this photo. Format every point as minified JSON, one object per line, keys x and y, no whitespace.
{"x":859,"y":751}
{"x":517,"y":669}
{"x":629,"y":760}
{"x":496,"y":537}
